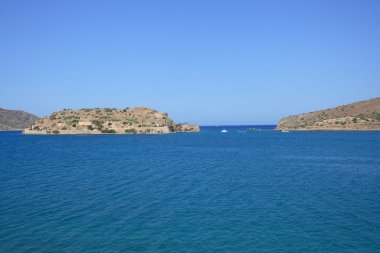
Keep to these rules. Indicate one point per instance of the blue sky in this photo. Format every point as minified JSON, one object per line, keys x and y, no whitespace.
{"x":207,"y":62}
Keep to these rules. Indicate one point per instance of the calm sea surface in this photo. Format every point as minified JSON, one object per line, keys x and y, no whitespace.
{"x":254,"y":191}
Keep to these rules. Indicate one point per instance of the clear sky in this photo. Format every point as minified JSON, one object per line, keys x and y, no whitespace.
{"x":208,"y":62}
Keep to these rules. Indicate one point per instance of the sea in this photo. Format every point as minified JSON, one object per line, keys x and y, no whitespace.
{"x":241,"y":191}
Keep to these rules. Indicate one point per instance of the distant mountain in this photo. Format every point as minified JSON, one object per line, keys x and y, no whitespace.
{"x":137,"y":120}
{"x":363,"y":115}
{"x":14,"y":119}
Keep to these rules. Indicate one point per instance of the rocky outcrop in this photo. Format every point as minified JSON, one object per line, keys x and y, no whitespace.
{"x":14,"y":119}
{"x":364,"y":115}
{"x":138,"y":120}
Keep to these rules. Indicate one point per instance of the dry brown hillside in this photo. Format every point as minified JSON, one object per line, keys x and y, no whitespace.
{"x":138,"y":120}
{"x":15,"y":119}
{"x":363,"y":115}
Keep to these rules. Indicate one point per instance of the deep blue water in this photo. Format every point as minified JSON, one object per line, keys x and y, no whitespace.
{"x":259,"y":191}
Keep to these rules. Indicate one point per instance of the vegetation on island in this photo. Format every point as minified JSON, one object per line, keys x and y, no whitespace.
{"x":138,"y":120}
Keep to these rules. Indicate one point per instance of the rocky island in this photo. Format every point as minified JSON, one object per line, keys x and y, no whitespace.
{"x":363,"y":115}
{"x":138,"y":120}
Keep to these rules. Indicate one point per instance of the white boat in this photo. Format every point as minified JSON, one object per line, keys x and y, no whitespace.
{"x":224,"y":131}
{"x":285,"y":131}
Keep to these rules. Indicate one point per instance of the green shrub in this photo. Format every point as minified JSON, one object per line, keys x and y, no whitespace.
{"x":133,"y":120}
{"x":55,"y":131}
{"x":96,"y":122}
{"x":362,"y":117}
{"x":108,"y":131}
{"x":69,"y":120}
{"x":90,"y":128}
{"x":130,"y":131}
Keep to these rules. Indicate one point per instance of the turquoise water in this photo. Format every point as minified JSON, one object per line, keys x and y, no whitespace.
{"x":261,"y":191}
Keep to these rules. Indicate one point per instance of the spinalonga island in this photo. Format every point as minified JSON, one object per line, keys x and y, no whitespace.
{"x":137,"y":120}
{"x":363,"y":115}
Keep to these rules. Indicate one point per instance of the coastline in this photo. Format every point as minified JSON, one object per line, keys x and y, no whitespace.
{"x":330,"y":129}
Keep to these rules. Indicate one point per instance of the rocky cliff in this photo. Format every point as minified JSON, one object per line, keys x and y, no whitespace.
{"x":364,"y":115}
{"x":138,"y":120}
{"x":14,"y":119}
